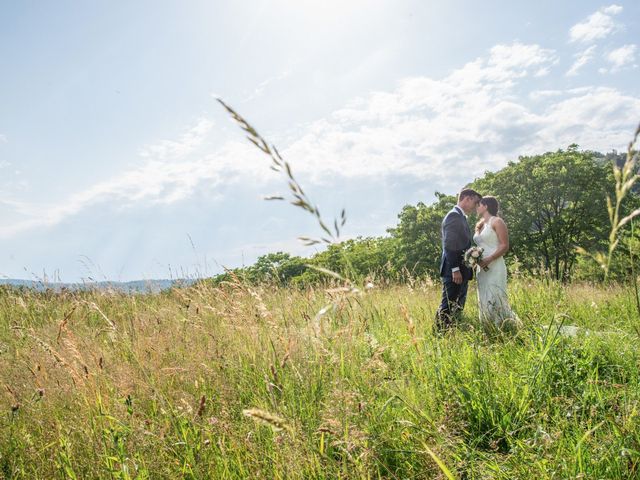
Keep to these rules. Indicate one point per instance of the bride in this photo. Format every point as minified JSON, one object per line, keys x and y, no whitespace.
{"x":492,"y":236}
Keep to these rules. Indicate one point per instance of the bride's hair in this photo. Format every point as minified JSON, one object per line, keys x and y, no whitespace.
{"x":492,"y":207}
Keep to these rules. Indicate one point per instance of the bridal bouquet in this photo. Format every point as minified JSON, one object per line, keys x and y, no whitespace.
{"x":472,"y":257}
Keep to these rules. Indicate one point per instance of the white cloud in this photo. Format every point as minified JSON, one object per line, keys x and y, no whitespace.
{"x":188,"y":142}
{"x":470,"y":121}
{"x":444,"y":131}
{"x":171,"y":171}
{"x":624,"y":56}
{"x":597,"y":118}
{"x":582,"y":58}
{"x":612,"y":9}
{"x":596,"y":26}
{"x":545,"y":94}
{"x":259,"y":90}
{"x":426,"y":126}
{"x":3,"y":138}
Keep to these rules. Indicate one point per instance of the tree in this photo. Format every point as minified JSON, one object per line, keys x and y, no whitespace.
{"x":418,"y":236}
{"x":276,"y":267}
{"x":357,"y":258}
{"x":552,"y":203}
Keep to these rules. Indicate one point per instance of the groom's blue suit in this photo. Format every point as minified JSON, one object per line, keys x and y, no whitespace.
{"x":456,"y":238}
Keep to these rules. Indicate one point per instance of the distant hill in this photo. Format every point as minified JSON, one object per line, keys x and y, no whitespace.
{"x":135,"y":286}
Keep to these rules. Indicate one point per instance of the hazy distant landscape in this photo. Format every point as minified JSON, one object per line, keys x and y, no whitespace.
{"x":139,"y":286}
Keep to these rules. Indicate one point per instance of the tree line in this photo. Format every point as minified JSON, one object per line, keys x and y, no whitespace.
{"x":553,"y":203}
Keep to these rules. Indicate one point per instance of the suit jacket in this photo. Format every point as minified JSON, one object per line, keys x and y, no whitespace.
{"x":456,"y":239}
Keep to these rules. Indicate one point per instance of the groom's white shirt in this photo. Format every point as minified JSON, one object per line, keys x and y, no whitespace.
{"x":461,"y":212}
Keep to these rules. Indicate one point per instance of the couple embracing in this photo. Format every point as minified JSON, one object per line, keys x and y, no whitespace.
{"x":492,"y":237}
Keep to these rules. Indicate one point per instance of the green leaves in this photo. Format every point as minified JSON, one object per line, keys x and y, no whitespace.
{"x":552,"y":203}
{"x":417,"y":235}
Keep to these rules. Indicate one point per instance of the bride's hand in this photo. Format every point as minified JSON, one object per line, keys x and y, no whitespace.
{"x":484,"y":262}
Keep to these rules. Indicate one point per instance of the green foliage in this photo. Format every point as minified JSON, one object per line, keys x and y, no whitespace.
{"x":275,"y":267}
{"x":359,"y":258}
{"x":552,"y":203}
{"x":418,"y":236}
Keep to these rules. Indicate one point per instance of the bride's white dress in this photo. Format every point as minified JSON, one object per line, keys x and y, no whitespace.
{"x":493,"y":302}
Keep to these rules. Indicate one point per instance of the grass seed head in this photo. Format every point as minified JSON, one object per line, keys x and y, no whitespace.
{"x":262,"y":416}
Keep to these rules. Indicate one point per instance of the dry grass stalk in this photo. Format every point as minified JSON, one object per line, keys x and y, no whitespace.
{"x":63,"y":323}
{"x":298,"y":197}
{"x":71,"y":347}
{"x":95,"y":307}
{"x":262,"y":416}
{"x":625,"y":179}
{"x":58,"y":358}
{"x":242,"y":288}
{"x":201,"y":406}
{"x":16,"y":405}
{"x":411,"y":327}
{"x":262,"y":308}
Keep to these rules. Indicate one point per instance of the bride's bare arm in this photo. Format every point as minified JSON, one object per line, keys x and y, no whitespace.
{"x":503,"y":239}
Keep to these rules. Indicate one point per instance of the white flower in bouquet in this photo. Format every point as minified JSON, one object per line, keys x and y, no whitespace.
{"x":472,"y":256}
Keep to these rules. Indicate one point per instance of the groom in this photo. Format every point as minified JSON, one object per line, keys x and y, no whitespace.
{"x":456,"y":238}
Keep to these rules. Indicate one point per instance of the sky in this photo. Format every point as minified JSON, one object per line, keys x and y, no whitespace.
{"x":117,"y":162}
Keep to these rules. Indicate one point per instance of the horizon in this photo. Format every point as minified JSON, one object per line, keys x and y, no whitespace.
{"x":117,"y":162}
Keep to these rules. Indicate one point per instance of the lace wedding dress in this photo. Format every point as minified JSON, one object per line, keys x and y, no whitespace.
{"x":493,"y":302}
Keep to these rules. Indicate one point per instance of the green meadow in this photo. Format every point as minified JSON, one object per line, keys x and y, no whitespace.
{"x":237,"y":381}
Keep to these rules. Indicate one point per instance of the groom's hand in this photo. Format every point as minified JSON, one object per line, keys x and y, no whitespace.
{"x":457,"y":277}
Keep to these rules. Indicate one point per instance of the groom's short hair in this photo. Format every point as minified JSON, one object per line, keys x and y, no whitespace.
{"x":468,"y":192}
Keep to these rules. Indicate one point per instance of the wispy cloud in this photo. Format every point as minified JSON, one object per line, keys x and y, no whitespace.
{"x":596,"y":26}
{"x":259,"y":90}
{"x":441,"y":130}
{"x":187,"y":143}
{"x":623,"y":57}
{"x":171,"y":170}
{"x":3,"y":163}
{"x":582,"y":58}
{"x":465,"y":123}
{"x":427,"y":127}
{"x":537,"y":95}
{"x":598,"y":118}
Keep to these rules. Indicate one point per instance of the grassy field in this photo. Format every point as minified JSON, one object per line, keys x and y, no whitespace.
{"x":237,"y":382}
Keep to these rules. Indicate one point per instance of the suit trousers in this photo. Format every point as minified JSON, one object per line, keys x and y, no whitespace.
{"x":454,"y":297}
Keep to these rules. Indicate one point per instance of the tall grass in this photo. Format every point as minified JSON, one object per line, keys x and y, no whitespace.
{"x":625,"y":178}
{"x":298,"y":197}
{"x":244,"y":382}
{"x":233,"y":382}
